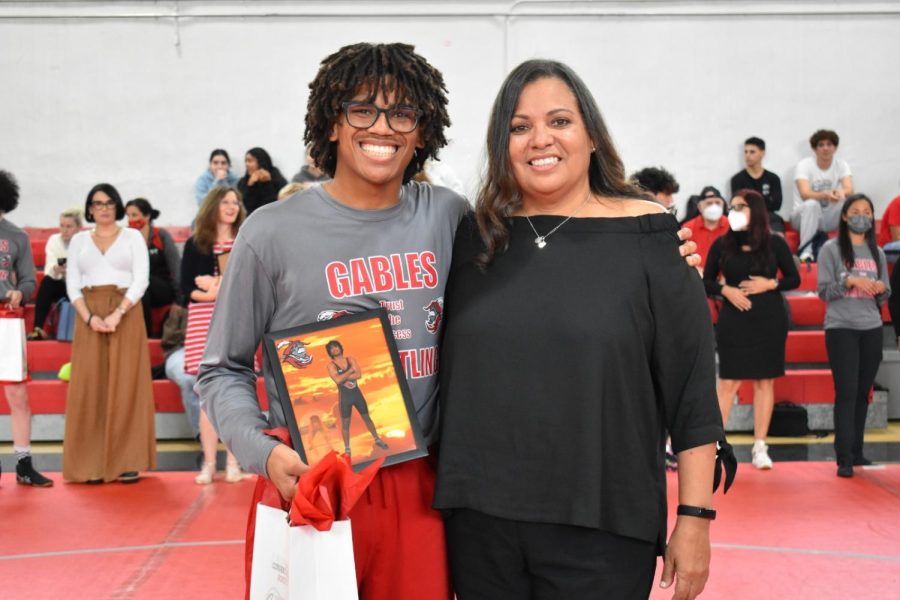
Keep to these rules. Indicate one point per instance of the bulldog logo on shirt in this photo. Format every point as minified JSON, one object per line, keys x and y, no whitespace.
{"x":435,"y":310}
{"x":327,"y":315}
{"x":295,"y":353}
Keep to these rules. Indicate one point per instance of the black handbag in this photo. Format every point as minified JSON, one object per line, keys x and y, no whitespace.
{"x":789,"y":420}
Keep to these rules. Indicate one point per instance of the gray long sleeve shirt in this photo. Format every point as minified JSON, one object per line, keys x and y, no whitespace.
{"x":850,"y":308}
{"x":16,"y":262}
{"x":303,"y":259}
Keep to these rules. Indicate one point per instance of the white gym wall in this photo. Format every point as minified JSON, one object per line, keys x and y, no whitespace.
{"x":139,"y":93}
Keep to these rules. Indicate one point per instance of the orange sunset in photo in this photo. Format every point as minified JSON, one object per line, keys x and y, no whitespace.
{"x":315,"y":398}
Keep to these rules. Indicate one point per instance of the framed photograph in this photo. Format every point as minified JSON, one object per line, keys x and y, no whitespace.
{"x":342,"y":388}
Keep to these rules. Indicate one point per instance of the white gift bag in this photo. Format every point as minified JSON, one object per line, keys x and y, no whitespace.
{"x":301,"y":563}
{"x":13,"y":365}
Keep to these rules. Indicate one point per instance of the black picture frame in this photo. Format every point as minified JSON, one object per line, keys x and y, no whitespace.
{"x":287,"y":351}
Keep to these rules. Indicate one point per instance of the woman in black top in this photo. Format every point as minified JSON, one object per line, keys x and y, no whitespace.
{"x":205,"y":256}
{"x":753,"y":324}
{"x":575,"y":337}
{"x":260,"y":185}
{"x":164,"y":261}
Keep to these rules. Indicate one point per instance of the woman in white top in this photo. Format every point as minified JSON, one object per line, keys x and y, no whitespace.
{"x":109,"y":410}
{"x":53,"y":285}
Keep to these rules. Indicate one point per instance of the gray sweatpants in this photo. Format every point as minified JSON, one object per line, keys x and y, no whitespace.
{"x":811,"y":216}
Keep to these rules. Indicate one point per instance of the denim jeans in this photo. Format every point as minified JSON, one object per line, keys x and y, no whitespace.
{"x":190,"y":400}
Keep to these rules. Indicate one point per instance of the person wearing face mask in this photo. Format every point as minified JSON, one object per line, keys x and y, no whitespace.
{"x":752,"y":326}
{"x":164,"y":259}
{"x":853,"y":281}
{"x":710,"y":224}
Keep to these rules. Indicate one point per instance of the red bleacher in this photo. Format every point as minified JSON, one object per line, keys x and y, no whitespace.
{"x":48,"y":396}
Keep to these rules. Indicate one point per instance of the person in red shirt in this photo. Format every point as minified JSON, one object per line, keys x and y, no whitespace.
{"x":710,"y":223}
{"x":889,"y":231}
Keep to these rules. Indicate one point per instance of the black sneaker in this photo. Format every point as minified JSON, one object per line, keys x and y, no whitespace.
{"x":26,"y":475}
{"x":129,"y":477}
{"x":381,"y":443}
{"x":845,"y":471}
{"x":862,"y":462}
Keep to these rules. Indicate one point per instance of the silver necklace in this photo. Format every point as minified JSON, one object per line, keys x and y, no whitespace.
{"x":541,"y":240}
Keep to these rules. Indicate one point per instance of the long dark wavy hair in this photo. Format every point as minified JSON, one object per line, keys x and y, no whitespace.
{"x":500,"y":196}
{"x":757,"y":235}
{"x":844,"y":242}
{"x":385,"y":68}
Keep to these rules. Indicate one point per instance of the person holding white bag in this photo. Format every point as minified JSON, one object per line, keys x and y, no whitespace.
{"x":17,"y":282}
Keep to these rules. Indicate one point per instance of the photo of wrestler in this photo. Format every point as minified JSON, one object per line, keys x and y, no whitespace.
{"x":339,"y":381}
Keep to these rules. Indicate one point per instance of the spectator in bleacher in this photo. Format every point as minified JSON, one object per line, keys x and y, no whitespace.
{"x":110,"y":432}
{"x":853,"y":281}
{"x":710,"y":224}
{"x":16,"y":285}
{"x":820,"y":185}
{"x":889,"y":233}
{"x":752,"y":328}
{"x":262,"y":181}
{"x":755,"y":177}
{"x":163,"y":288}
{"x":53,"y":285}
{"x":217,"y":174}
{"x":660,"y":183}
{"x":309,"y":174}
{"x":205,"y":256}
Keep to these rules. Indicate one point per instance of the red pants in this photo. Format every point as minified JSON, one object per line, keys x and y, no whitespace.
{"x":398,"y":539}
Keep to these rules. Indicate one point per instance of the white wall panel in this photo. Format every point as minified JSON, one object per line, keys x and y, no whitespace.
{"x":138,"y":93}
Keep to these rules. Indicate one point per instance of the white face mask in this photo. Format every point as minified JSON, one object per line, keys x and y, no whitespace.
{"x":712,"y":212}
{"x":737,"y":220}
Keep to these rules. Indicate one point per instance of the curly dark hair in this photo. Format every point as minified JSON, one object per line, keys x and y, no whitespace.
{"x":386,"y":68}
{"x":9,"y":192}
{"x":656,"y":180}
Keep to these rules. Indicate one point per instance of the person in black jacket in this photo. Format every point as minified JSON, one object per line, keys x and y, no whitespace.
{"x":575,"y":338}
{"x":260,"y":185}
{"x":755,"y":177}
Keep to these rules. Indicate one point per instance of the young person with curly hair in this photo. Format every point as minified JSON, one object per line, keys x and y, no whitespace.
{"x":17,"y":281}
{"x":376,"y":113}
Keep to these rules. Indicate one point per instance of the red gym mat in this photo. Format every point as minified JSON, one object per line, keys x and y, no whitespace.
{"x":796,"y":532}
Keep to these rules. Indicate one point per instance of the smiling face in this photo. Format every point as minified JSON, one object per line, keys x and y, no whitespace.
{"x":549,"y":147}
{"x":377,"y":155}
{"x":229,"y":208}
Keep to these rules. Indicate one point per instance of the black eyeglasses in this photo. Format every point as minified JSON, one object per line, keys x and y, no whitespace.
{"x":739,"y":206}
{"x":102,"y":204}
{"x":362,"y":115}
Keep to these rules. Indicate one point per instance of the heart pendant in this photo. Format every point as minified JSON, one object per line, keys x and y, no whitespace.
{"x":540,"y":241}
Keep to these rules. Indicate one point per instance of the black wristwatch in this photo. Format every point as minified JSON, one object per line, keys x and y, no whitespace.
{"x":696,"y":511}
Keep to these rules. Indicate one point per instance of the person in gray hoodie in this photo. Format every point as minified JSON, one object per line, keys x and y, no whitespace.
{"x":17,"y":282}
{"x":853,"y":281}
